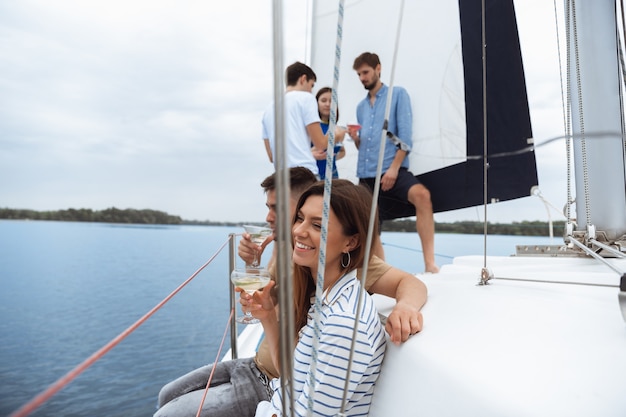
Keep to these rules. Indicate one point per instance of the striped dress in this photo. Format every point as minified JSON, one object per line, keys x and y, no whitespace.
{"x":336,"y":327}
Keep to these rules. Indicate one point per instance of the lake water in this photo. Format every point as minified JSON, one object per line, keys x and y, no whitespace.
{"x":68,"y":288}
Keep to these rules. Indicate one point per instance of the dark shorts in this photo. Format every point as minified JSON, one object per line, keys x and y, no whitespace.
{"x":400,"y":190}
{"x":394,"y":203}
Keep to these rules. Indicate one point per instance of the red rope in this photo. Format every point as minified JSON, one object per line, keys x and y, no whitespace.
{"x":219,"y":353}
{"x":44,"y":396}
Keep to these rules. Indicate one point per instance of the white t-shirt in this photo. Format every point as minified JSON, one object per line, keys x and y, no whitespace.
{"x":300,"y":111}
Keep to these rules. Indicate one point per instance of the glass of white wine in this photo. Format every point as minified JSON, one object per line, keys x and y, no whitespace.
{"x":258,"y":235}
{"x":250,"y":279}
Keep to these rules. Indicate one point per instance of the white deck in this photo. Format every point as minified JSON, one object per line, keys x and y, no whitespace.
{"x":511,"y":348}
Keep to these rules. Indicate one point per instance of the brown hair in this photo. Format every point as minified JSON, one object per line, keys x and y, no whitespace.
{"x":297,"y":70}
{"x":300,"y":179}
{"x":366,"y":58}
{"x":351,"y":204}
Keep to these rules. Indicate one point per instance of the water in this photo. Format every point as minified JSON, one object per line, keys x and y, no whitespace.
{"x":67,"y":289}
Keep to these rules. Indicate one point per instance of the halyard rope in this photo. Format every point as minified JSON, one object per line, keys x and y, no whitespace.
{"x":45,"y":395}
{"x":319,"y":289}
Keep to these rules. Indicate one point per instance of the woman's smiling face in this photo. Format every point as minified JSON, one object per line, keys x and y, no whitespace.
{"x":306,"y":232}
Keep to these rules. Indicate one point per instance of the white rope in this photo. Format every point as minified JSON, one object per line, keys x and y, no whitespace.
{"x":321,"y":266}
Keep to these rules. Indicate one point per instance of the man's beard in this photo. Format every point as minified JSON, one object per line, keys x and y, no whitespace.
{"x":371,"y":85}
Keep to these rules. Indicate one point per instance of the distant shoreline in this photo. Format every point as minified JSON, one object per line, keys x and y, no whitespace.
{"x":147,"y":216}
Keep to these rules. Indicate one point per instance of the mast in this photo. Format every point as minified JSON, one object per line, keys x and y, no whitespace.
{"x":597,"y":112}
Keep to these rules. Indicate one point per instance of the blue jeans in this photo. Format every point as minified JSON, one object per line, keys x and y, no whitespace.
{"x":236,"y":389}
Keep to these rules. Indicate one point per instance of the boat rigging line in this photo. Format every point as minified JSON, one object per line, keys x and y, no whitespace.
{"x":217,"y":358}
{"x":373,"y":210}
{"x":547,"y":281}
{"x":283,"y":228}
{"x":415,"y":250}
{"x":594,"y":255}
{"x":566,"y":120}
{"x":330,"y":156}
{"x":485,"y":273}
{"x":530,"y":148}
{"x":62,"y":382}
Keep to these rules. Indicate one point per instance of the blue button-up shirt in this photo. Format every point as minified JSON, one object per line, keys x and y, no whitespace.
{"x":371,"y":119}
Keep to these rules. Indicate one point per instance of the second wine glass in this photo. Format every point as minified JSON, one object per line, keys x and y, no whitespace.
{"x":249,"y":279}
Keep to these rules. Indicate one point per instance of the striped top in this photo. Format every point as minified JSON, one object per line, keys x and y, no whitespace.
{"x":336,"y":327}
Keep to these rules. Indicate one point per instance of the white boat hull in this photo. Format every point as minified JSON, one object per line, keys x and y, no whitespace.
{"x":511,"y":348}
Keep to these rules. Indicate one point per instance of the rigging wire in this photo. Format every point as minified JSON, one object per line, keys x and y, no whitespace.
{"x":62,"y":382}
{"x":581,"y":118}
{"x":392,"y":245}
{"x":373,"y":212}
{"x":373,"y":217}
{"x":485,"y":273}
{"x":566,"y":117}
{"x":622,"y":85}
{"x":569,"y":144}
{"x":546,"y":281}
{"x":283,"y":264}
{"x":526,"y":149}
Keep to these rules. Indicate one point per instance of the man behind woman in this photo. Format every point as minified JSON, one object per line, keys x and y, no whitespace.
{"x":240,"y":384}
{"x":306,"y":123}
{"x":348,"y":222}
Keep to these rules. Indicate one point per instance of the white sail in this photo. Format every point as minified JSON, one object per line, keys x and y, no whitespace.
{"x":436,"y":85}
{"x":440,"y":63}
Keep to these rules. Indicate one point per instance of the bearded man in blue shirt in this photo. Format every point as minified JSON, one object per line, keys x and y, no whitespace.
{"x":397,"y":182}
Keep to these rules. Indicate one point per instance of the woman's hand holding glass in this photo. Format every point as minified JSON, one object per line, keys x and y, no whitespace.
{"x":340,"y":133}
{"x":258,"y":304}
{"x":249,"y":280}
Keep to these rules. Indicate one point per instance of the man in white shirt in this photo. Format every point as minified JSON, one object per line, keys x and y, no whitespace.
{"x":302,"y":122}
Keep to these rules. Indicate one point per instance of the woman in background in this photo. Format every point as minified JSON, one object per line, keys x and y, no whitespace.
{"x":323,"y":97}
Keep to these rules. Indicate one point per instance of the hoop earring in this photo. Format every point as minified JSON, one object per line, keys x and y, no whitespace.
{"x":347,"y":263}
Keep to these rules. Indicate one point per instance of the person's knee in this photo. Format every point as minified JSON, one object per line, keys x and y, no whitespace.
{"x":419,"y":196}
{"x":166,"y":394}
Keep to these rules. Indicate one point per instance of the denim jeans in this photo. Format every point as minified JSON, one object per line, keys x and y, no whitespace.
{"x":236,"y":389}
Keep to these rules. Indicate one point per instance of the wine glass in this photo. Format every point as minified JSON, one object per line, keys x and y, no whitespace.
{"x":249,"y":279}
{"x":258,"y":234}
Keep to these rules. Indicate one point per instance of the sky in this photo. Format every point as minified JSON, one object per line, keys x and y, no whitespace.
{"x":157,"y":105}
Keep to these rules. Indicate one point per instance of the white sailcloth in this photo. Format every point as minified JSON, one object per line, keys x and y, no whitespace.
{"x":435,"y":85}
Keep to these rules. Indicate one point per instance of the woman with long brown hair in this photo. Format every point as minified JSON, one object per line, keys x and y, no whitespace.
{"x":348,"y":221}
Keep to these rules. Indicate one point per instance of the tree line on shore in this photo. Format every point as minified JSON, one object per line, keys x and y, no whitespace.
{"x":524,"y":228}
{"x":110,"y":215}
{"x":146,"y":216}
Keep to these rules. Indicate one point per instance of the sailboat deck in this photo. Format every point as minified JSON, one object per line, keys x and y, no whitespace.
{"x":511,"y":347}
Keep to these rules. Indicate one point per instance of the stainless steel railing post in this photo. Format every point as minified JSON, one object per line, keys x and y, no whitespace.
{"x":232,"y":257}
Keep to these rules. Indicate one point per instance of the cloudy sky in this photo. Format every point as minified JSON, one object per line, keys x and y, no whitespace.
{"x":157,"y":104}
